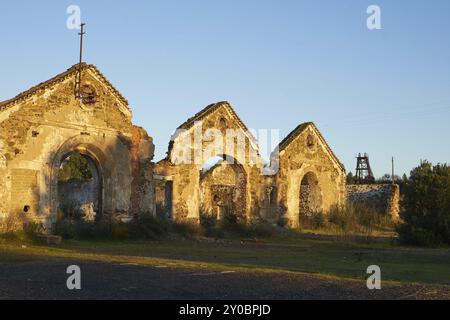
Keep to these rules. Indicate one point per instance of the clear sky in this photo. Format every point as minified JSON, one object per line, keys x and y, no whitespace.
{"x":279,"y":63}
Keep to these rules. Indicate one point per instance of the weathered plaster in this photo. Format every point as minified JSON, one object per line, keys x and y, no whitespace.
{"x":44,"y":125}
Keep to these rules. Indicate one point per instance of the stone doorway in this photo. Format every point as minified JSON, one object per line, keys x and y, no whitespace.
{"x":223,"y":189}
{"x":168,"y":199}
{"x":310,"y":201}
{"x":79,"y":188}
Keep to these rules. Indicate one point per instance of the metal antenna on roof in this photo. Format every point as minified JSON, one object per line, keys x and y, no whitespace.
{"x":78,"y":77}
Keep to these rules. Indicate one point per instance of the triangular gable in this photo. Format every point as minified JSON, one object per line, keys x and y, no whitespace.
{"x":211,"y":109}
{"x":299,"y":130}
{"x":188,"y":124}
{"x":71,"y":72}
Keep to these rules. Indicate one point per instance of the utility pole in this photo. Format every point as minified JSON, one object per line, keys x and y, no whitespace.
{"x":393,"y":179}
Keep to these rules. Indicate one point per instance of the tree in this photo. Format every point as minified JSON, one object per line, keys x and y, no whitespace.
{"x":75,"y":167}
{"x":426,"y":206}
{"x":387,"y":178}
{"x":350,"y":178}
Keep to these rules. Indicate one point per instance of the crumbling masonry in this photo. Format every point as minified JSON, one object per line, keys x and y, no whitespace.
{"x":245,"y":189}
{"x":42,"y":127}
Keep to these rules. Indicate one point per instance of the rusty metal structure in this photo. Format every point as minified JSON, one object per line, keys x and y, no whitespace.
{"x":364,"y":174}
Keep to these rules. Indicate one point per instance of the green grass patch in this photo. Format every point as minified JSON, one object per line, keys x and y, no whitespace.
{"x":323,"y":257}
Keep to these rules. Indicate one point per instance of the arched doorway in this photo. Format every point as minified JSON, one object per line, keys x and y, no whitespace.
{"x":223,"y":189}
{"x":310,"y":197}
{"x":79,"y":188}
{"x":88,"y":151}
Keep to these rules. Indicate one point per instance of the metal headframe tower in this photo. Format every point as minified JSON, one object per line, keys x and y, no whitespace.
{"x":364,"y":173}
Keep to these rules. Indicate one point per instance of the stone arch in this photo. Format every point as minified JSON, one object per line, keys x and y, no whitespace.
{"x":310,"y":195}
{"x":81,"y":196}
{"x":224,"y":189}
{"x":87,"y":147}
{"x":290,"y":192}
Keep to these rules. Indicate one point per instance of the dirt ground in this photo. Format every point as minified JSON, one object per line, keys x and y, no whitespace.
{"x":42,"y":280}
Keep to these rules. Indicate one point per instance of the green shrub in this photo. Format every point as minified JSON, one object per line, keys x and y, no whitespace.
{"x":148,"y":227}
{"x":70,"y":228}
{"x":282,"y":222}
{"x":120,"y":230}
{"x":263,"y":230}
{"x":215,"y":232}
{"x":33,"y":230}
{"x":84,"y":229}
{"x":65,"y":229}
{"x":350,"y":218}
{"x":343,"y":218}
{"x":187,"y":229}
{"x":426,"y":206}
{"x":229,"y":218}
{"x":208,"y":221}
{"x":315,"y":220}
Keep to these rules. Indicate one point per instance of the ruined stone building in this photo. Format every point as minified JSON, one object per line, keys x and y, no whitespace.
{"x":47,"y":125}
{"x":304,"y":173}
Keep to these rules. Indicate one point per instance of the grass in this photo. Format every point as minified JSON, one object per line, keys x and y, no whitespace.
{"x":323,"y":257}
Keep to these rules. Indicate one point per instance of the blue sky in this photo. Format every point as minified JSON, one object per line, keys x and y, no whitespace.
{"x":279,"y":63}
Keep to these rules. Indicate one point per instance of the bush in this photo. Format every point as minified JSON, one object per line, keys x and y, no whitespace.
{"x":282,"y":222}
{"x":426,"y":206}
{"x":69,"y":229}
{"x":187,"y":229}
{"x":10,"y":224}
{"x":65,"y":229}
{"x":315,"y":220}
{"x":214,"y":232}
{"x":350,"y":218}
{"x":148,"y":227}
{"x":263,"y":230}
{"x":343,"y":218}
{"x":119,"y":230}
{"x":229,"y":219}
{"x":33,"y":230}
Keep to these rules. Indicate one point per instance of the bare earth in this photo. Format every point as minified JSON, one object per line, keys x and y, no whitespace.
{"x":42,"y":280}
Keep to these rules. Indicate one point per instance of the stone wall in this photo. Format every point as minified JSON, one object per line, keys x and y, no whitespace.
{"x":186,"y":177}
{"x":142,"y":187}
{"x":258,"y":193}
{"x":77,"y":197}
{"x":304,"y":153}
{"x":39,"y":128}
{"x":224,"y":189}
{"x":383,"y":197}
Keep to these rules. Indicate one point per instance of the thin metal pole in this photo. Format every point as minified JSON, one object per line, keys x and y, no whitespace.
{"x":393,"y":180}
{"x":81,"y":61}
